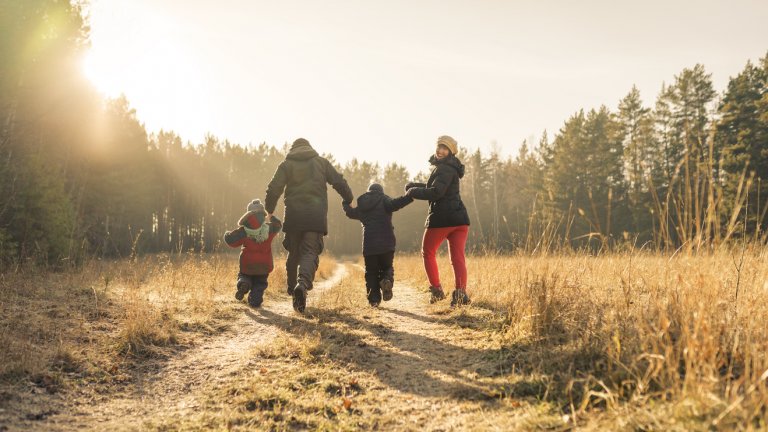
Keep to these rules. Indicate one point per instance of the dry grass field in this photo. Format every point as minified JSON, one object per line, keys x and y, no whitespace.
{"x":623,"y":341}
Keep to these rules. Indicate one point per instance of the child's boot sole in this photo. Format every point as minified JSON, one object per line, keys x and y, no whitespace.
{"x":386,"y":289}
{"x":242,"y":290}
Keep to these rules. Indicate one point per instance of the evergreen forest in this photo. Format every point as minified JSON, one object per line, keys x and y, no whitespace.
{"x":81,"y":177}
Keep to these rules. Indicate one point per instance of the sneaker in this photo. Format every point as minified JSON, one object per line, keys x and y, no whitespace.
{"x":299,"y":299}
{"x":437,"y":294}
{"x":374,"y":304}
{"x":386,"y":289}
{"x":242,"y":289}
{"x":459,"y":298}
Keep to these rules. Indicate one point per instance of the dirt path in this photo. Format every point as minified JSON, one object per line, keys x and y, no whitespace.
{"x":174,"y":390}
{"x":433,"y":367}
{"x":407,"y":365}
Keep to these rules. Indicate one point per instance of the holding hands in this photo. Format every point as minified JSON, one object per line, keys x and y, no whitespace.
{"x":411,"y":187}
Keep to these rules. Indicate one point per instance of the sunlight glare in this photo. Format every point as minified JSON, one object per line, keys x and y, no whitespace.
{"x":95,"y":69}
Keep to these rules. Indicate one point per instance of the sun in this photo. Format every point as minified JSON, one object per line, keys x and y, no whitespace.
{"x":96,"y":69}
{"x":141,"y":52}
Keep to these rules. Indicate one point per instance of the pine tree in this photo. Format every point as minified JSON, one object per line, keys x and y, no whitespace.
{"x":42,"y":98}
{"x":524,"y":182}
{"x":742,"y":133}
{"x":586,"y":174}
{"x":636,"y":133}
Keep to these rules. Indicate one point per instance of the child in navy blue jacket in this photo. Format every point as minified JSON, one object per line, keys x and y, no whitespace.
{"x":374,"y":210}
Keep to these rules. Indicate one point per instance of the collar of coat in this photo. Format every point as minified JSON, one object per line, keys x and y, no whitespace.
{"x":451,"y":161}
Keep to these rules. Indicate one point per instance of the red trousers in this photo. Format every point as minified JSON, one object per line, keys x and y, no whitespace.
{"x":457,"y":238}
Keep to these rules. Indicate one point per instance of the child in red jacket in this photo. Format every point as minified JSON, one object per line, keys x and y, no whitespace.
{"x":255,"y":237}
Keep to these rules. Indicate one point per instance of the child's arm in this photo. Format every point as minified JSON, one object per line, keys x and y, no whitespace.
{"x":351,"y":212}
{"x":275,"y":224}
{"x":393,"y":205}
{"x":414,"y":184}
{"x":236,"y":237}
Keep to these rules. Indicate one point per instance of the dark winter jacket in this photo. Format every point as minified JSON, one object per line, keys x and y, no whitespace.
{"x":255,"y":256}
{"x":374,"y":210}
{"x":303,"y":175}
{"x":442,"y":191}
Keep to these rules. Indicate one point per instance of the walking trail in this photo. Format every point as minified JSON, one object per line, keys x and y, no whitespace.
{"x":407,"y":365}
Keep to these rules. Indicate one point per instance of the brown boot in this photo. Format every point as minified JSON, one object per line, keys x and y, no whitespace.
{"x":459,"y":298}
{"x":437,"y":294}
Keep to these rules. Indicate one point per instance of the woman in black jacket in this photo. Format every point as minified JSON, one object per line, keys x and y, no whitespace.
{"x":447,"y":219}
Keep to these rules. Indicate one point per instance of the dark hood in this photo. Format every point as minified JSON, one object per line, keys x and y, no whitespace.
{"x":450,"y":161}
{"x":369,"y":200}
{"x":301,"y":151}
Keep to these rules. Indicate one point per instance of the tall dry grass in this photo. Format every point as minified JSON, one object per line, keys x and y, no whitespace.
{"x":684,"y":333}
{"x":162,"y":296}
{"x":88,"y":320}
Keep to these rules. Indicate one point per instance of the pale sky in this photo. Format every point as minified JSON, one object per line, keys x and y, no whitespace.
{"x":380,"y":81}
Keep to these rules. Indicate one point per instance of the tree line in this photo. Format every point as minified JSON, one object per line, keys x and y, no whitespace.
{"x":81,"y":177}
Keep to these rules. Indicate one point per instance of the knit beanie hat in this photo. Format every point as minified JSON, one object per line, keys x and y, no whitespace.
{"x":449,"y":142}
{"x":375,"y":187}
{"x":256,"y":206}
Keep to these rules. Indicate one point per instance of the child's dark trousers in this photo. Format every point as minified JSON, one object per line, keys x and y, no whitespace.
{"x":377,"y":268}
{"x":256,"y":284}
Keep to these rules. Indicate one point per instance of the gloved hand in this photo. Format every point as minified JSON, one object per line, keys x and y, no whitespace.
{"x":409,"y":185}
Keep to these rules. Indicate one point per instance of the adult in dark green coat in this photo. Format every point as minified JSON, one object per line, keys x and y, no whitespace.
{"x":303,"y":175}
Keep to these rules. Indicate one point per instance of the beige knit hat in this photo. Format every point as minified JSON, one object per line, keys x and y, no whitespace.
{"x":449,"y":142}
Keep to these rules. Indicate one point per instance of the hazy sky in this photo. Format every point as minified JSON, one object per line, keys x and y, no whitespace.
{"x":380,"y":81}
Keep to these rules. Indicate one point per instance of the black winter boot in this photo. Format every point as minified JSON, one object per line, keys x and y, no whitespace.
{"x":299,"y":298}
{"x":256,"y":297}
{"x":243,"y":286}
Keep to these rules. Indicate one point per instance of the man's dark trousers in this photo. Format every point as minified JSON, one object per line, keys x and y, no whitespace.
{"x":304,"y":249}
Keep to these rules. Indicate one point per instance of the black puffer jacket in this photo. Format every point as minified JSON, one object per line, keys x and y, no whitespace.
{"x":374,"y":210}
{"x":442,"y":191}
{"x":303,"y":175}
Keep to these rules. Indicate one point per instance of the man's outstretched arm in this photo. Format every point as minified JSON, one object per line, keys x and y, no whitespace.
{"x":338,"y":182}
{"x":275,"y":189}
